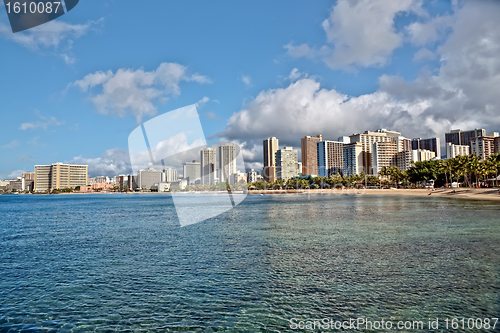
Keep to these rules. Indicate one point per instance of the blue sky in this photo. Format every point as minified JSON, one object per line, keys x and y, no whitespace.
{"x":309,"y":58}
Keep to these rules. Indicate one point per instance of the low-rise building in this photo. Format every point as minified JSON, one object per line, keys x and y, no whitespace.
{"x":453,"y":150}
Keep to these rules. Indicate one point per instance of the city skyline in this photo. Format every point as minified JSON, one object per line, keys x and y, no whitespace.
{"x":337,"y":80}
{"x":222,"y":157}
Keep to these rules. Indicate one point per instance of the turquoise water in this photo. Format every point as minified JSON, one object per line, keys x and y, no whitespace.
{"x":121,"y":262}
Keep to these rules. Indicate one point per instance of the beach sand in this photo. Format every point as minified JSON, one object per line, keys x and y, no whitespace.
{"x":462,"y":193}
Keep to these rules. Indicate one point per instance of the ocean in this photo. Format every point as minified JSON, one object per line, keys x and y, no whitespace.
{"x":274,"y":263}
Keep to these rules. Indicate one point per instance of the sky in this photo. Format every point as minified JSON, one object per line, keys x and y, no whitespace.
{"x":73,"y":89}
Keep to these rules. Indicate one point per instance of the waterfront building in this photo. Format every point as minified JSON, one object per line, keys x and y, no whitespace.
{"x":251,"y":176}
{"x":59,"y":176}
{"x":125,"y":182}
{"x":227,"y":163}
{"x":148,"y":178}
{"x":170,"y":175}
{"x":463,"y":138}
{"x":353,"y":158}
{"x":309,"y":152}
{"x":207,"y":166}
{"x":270,"y":147}
{"x":330,"y":158}
{"x":368,"y":138}
{"x":180,"y":184}
{"x":286,"y":163}
{"x":420,"y":155}
{"x":432,"y":144}
{"x":453,"y":150}
{"x":163,"y":187}
{"x":29,"y":175}
{"x":385,"y":154}
{"x":191,"y":171}
{"x":483,"y":146}
{"x":238,"y":178}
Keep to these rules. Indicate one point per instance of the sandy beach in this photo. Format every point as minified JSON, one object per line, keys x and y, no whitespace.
{"x":461,"y":193}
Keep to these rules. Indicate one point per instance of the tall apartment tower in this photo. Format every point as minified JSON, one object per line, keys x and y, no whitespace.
{"x":483,"y":146}
{"x":330,"y":158}
{"x":432,"y":144}
{"x":60,"y":176}
{"x":270,"y":149}
{"x":227,"y":163}
{"x":287,"y":160}
{"x":459,"y":137}
{"x":191,"y":171}
{"x":207,"y":166}
{"x":309,"y":151}
{"x":368,"y":138}
{"x":353,"y":158}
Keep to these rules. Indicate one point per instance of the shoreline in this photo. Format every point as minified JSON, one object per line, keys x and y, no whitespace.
{"x":491,"y":194}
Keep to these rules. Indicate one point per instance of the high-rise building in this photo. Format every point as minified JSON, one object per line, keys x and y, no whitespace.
{"x":459,"y":137}
{"x":207,"y":166}
{"x":270,"y":146}
{"x":385,"y":154}
{"x":368,"y":138}
{"x":483,"y":146}
{"x":60,"y":176}
{"x":191,"y":171}
{"x":286,"y":163}
{"x":497,"y":145}
{"x":432,"y":144}
{"x":227,"y":163}
{"x":330,"y":158}
{"x":309,"y":152}
{"x":170,"y":175}
{"x":148,"y":178}
{"x":125,"y":182}
{"x":353,"y":158}
{"x":453,"y":150}
{"x":29,"y":176}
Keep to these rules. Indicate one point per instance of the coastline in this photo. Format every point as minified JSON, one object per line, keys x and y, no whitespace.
{"x":491,"y":194}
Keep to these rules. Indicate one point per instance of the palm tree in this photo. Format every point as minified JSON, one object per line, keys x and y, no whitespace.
{"x":495,"y":163}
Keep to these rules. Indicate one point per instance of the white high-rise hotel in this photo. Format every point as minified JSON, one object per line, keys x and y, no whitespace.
{"x":207,"y":166}
{"x":227,"y":163}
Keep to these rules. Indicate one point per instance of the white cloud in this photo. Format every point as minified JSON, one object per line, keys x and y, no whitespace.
{"x":304,"y":107}
{"x":424,"y":54}
{"x":202,"y":102}
{"x":247,"y":80}
{"x":211,"y":115}
{"x":117,"y":161}
{"x":11,"y":145}
{"x":15,"y":174}
{"x":113,"y":162}
{"x":359,"y":33}
{"x":136,"y":91}
{"x":295,"y":75}
{"x":34,"y":141}
{"x":432,"y":30}
{"x":43,"y":123}
{"x":55,"y":36}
